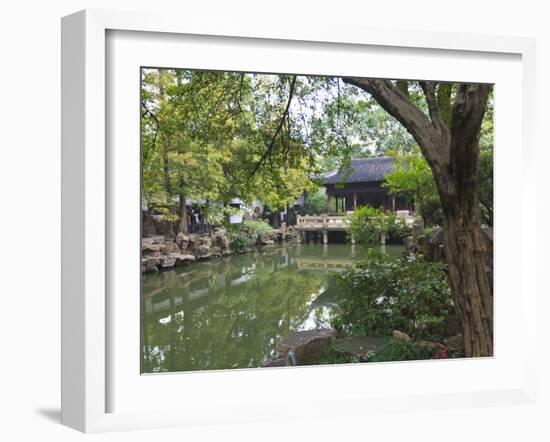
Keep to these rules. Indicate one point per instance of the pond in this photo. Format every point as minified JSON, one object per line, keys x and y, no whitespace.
{"x":233,"y":311}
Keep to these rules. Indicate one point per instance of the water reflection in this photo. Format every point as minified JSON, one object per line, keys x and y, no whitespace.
{"x":232,"y":312}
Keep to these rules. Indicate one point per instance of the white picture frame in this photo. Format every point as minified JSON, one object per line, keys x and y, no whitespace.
{"x":88,"y":230}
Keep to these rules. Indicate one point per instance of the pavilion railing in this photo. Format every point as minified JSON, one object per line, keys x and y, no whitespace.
{"x":322,"y":222}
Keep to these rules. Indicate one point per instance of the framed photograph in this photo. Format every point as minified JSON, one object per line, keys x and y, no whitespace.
{"x":254,"y":214}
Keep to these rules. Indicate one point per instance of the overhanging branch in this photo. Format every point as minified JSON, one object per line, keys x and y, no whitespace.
{"x":271,"y":146}
{"x":434,"y":143}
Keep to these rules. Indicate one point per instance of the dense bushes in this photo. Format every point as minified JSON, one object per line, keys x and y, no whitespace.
{"x":367,"y":224}
{"x":248,"y":234}
{"x":393,"y":350}
{"x":255,"y":228}
{"x":399,"y":350}
{"x":240,"y":243}
{"x":384,"y":293}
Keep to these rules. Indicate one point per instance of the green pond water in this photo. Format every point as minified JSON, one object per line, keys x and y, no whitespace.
{"x":232,"y":312}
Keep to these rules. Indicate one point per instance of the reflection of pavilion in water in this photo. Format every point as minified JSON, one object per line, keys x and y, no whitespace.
{"x":325,"y":262}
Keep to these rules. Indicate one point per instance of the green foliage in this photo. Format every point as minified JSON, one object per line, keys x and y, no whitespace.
{"x":384,"y":293}
{"x":368,"y":223}
{"x":331,"y":356}
{"x":400,"y":350}
{"x":431,"y":210}
{"x":240,"y":243}
{"x":428,"y":231}
{"x":444,"y":100}
{"x":485,"y":167}
{"x":204,"y":134}
{"x":316,"y":203}
{"x":255,"y":228}
{"x":413,"y":179}
{"x":485,"y":185}
{"x":221,"y":135}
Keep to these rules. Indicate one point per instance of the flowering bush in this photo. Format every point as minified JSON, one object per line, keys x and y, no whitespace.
{"x":442,"y":350}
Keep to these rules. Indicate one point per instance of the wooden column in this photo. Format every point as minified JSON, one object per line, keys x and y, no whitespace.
{"x":354,"y":200}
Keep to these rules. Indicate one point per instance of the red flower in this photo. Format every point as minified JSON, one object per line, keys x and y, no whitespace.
{"x":443,"y":355}
{"x":436,"y":356}
{"x":446,"y":348}
{"x":362,"y":355}
{"x":445,"y":340}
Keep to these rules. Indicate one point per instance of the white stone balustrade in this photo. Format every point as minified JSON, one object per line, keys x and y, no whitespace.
{"x":322,"y":222}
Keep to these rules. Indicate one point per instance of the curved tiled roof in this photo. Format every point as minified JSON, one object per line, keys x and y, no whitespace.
{"x":363,"y":170}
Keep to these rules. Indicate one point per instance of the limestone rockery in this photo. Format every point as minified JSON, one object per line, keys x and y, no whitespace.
{"x":162,"y":252}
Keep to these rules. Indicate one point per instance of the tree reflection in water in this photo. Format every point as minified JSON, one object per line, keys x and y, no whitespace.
{"x":232,"y":312}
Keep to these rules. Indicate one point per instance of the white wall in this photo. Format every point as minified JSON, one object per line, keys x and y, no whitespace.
{"x":30,"y":257}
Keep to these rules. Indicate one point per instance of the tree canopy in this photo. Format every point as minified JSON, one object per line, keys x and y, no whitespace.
{"x":215,"y":136}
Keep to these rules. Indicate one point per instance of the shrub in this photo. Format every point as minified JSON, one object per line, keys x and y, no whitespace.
{"x":240,"y":243}
{"x":446,"y":349}
{"x":255,"y":228}
{"x":432,"y":212}
{"x":384,"y":293}
{"x":400,"y":350}
{"x":367,"y":224}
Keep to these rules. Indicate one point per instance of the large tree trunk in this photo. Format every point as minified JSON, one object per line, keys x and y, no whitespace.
{"x":468,"y":278}
{"x":183,"y":226}
{"x":464,"y":247}
{"x":449,"y":140}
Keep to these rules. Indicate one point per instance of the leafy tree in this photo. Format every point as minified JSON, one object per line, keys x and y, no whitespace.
{"x":203,"y":136}
{"x":413,"y":179}
{"x":367,"y":224}
{"x":316,"y":202}
{"x":448,"y":136}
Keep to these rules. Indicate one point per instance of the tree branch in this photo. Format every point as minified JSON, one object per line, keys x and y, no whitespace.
{"x":444,"y":92}
{"x":433,"y":143}
{"x":154,"y":117}
{"x":428,"y":87}
{"x":467,"y":115}
{"x":271,"y":146}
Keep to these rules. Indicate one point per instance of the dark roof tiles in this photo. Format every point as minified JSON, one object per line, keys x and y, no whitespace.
{"x":363,"y":170}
